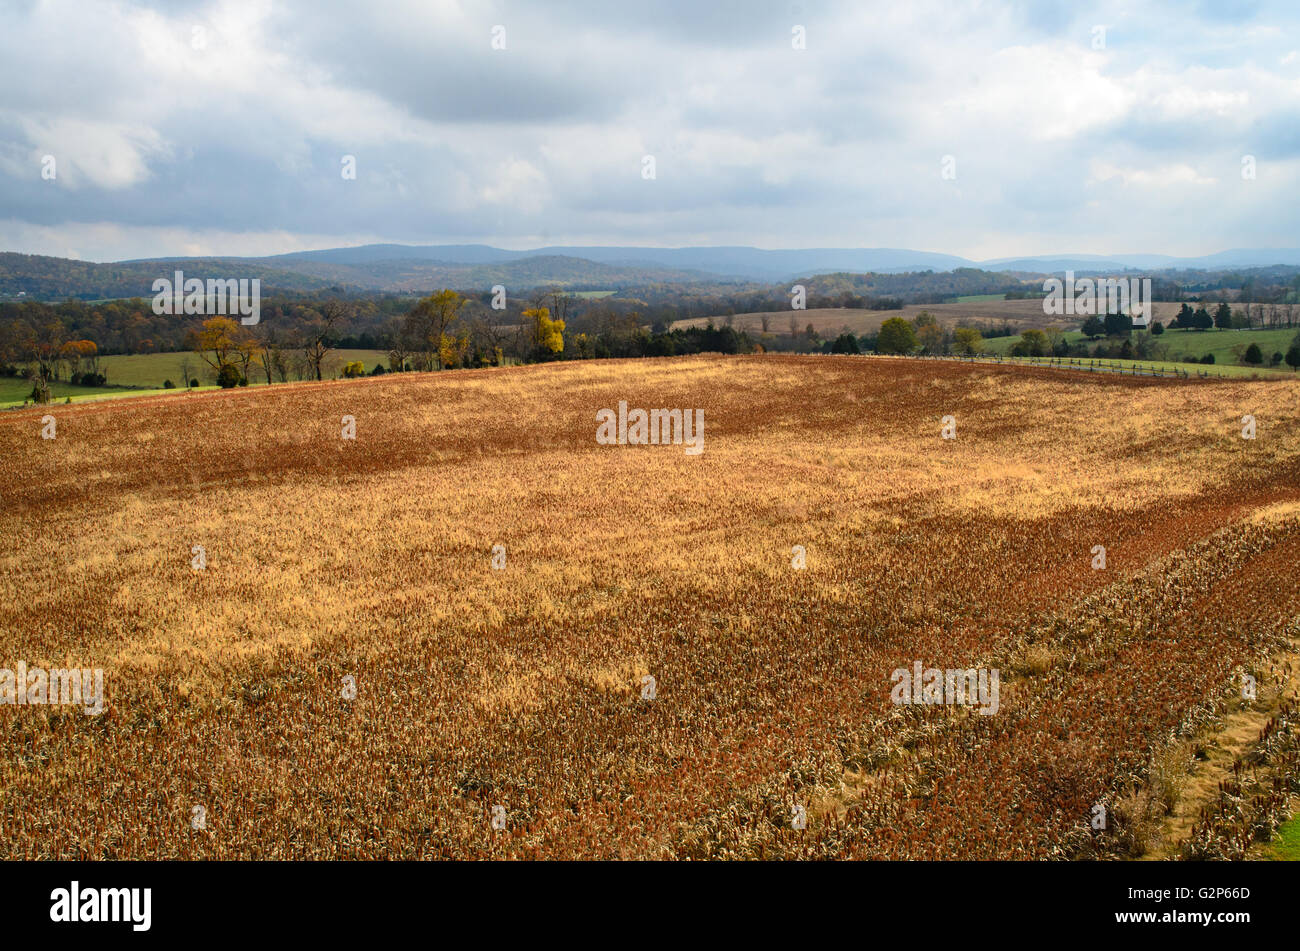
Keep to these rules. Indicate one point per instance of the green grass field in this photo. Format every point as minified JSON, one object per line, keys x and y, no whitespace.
{"x":976,"y":298}
{"x":150,"y":369}
{"x":1191,"y":343}
{"x":1286,"y":846}
{"x":140,"y":374}
{"x":14,"y":391}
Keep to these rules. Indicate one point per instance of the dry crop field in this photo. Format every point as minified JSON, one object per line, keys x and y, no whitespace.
{"x":503,"y":711}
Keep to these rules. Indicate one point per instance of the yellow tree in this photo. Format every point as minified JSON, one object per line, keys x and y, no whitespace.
{"x":453,"y":351}
{"x":548,"y":334}
{"x":429,"y":321}
{"x":218,"y":341}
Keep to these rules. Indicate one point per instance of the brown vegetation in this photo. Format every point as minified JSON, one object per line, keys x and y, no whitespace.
{"x":523,"y":687}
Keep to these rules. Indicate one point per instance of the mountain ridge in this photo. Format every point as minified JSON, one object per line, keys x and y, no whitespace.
{"x":403,"y":269}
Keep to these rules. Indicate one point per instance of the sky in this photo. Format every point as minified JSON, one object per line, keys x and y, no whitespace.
{"x":984,"y":129}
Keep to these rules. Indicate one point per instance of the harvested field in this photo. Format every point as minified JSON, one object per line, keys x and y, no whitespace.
{"x":524,"y":687}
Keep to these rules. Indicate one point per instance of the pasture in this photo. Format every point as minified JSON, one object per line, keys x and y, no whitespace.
{"x":139,"y":374}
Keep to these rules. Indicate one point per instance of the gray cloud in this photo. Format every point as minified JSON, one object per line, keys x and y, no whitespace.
{"x":220,"y":127}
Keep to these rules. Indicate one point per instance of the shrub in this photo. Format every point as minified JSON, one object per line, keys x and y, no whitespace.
{"x":194,"y":382}
{"x":227,"y":376}
{"x":354,"y":369}
{"x":1208,"y":358}
{"x":168,"y":385}
{"x":845,"y":343}
{"x":1253,"y":354}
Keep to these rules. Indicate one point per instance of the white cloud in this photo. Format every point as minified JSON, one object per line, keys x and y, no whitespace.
{"x":90,"y":153}
{"x":755,"y":143}
{"x":1162,"y":177}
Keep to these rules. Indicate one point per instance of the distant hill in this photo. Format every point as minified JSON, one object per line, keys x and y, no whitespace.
{"x":718,"y":262}
{"x":50,"y":278}
{"x":1238,"y":258}
{"x":417,"y":274}
{"x":778,"y":265}
{"x":395,"y":268}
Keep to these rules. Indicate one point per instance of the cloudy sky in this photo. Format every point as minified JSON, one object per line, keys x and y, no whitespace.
{"x":221,"y":127}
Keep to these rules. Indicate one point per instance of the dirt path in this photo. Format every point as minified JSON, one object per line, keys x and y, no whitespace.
{"x":1237,"y":734}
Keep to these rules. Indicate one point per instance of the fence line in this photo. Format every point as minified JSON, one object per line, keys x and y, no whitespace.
{"x":1062,"y":363}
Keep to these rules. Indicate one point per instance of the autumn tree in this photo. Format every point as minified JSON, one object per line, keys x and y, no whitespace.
{"x":217,"y":341}
{"x":547,"y":334}
{"x":453,"y":351}
{"x":74,"y":352}
{"x":247,"y":350}
{"x":428,"y":323}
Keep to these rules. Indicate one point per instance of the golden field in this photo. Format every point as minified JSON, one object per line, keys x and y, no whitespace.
{"x":522,"y":687}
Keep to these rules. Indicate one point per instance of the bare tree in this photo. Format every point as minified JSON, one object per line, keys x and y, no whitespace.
{"x":319,"y":335}
{"x":399,"y":343}
{"x":271,"y":354}
{"x":489,"y":338}
{"x":560,"y":303}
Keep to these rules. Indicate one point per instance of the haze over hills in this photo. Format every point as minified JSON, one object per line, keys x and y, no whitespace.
{"x":727,"y":262}
{"x":773,"y":264}
{"x":51,"y":278}
{"x":395,"y":268}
